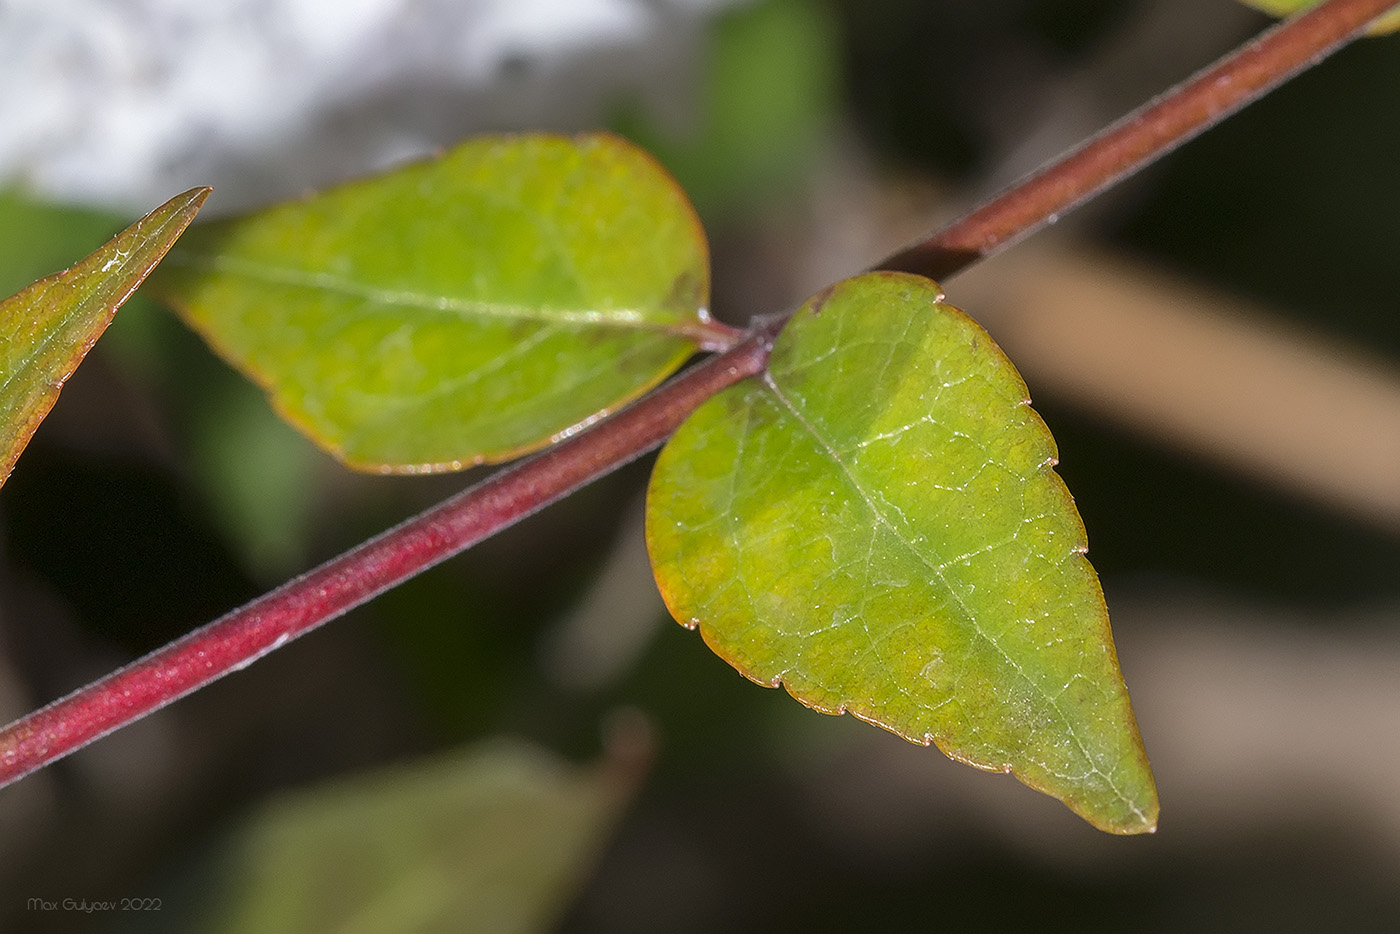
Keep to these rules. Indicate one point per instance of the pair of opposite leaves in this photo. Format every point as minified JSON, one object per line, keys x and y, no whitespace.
{"x":873,"y":522}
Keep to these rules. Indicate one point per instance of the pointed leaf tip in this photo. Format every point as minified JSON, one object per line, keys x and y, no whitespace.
{"x":875,"y":524}
{"x":50,"y":326}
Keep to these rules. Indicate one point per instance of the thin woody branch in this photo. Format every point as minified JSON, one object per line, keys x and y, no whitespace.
{"x":300,"y":605}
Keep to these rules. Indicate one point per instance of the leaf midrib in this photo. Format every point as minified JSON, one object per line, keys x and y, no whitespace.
{"x":622,"y":318}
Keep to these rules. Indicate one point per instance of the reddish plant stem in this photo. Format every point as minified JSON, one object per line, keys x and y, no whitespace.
{"x":300,"y":605}
{"x":1140,"y":138}
{"x":712,"y":335}
{"x":241,"y":637}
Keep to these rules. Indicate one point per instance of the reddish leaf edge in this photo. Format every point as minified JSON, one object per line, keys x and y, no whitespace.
{"x":704,"y":333}
{"x":1149,"y":817}
{"x":46,"y":735}
{"x":169,"y":221}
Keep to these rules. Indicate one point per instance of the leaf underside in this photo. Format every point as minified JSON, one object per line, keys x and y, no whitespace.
{"x":50,"y":326}
{"x":875,"y":524}
{"x":460,"y":310}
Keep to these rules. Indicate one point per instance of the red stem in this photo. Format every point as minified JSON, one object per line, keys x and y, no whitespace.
{"x":300,"y":605}
{"x":246,"y":634}
{"x":1140,"y":138}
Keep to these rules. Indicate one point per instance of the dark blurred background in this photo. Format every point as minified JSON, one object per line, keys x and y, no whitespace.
{"x":1214,"y":345}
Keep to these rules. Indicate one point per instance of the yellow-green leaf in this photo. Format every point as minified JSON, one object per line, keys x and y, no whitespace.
{"x":460,"y":310}
{"x":875,"y":524}
{"x":50,"y":326}
{"x":1390,"y":22}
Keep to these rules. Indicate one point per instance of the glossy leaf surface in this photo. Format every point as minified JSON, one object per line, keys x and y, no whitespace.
{"x":876,"y":526}
{"x":50,"y":326}
{"x":494,"y":839}
{"x":460,"y":310}
{"x":1388,"y":23}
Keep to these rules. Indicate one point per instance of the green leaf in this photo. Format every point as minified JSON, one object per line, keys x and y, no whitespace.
{"x":876,"y":525}
{"x":1390,"y":22}
{"x":494,"y":839}
{"x":461,"y":310}
{"x":51,"y":325}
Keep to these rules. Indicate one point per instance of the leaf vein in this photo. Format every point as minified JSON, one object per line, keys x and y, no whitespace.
{"x":938,"y":571}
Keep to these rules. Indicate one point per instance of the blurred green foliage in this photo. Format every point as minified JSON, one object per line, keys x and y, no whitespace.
{"x":38,"y":237}
{"x":494,"y":838}
{"x":769,"y":88}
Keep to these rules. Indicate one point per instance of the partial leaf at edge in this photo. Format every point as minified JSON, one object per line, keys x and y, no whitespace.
{"x":1388,"y":23}
{"x":875,"y":524}
{"x":50,"y":326}
{"x":465,"y":309}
